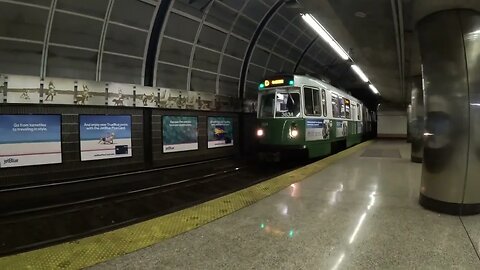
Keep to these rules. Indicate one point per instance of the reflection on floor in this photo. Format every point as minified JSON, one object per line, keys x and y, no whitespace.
{"x":360,"y":213}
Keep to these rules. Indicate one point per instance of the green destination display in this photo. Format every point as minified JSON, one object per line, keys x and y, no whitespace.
{"x":220,"y":132}
{"x":180,"y":133}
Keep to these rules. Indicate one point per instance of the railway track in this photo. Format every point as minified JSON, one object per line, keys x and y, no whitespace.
{"x":64,"y":212}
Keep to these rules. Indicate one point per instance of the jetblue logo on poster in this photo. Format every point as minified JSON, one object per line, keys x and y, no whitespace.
{"x":9,"y":161}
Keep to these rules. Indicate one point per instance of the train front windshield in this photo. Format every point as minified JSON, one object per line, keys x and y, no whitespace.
{"x":280,"y":103}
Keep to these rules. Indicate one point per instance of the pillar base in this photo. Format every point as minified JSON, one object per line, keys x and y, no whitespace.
{"x":457,"y":209}
{"x":416,"y":159}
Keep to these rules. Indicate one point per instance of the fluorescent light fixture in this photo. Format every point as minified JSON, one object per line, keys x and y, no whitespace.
{"x":360,"y":73}
{"x":374,"y":89}
{"x":310,"y":20}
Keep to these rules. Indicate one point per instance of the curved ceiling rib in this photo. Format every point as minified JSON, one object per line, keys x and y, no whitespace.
{"x":304,"y":53}
{"x":154,"y":42}
{"x":251,"y":45}
{"x":46,"y":41}
{"x":98,"y":73}
{"x":195,"y":42}
{"x":225,"y":43}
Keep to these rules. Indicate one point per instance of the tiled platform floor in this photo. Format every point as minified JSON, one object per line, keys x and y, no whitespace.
{"x":359,"y":213}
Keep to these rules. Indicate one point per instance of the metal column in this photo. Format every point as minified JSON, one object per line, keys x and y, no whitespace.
{"x":450,"y":49}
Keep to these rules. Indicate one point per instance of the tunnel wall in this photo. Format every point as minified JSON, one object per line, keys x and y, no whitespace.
{"x":392,"y":124}
{"x":71,"y":166}
{"x":146,"y":154}
{"x":203,"y":153}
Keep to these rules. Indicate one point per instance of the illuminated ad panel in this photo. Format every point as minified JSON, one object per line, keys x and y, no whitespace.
{"x":220,"y":132}
{"x":180,"y":133}
{"x":105,"y":136}
{"x":318,"y":129}
{"x":30,"y":140}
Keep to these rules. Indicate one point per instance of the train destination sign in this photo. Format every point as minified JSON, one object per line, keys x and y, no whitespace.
{"x":277,"y":82}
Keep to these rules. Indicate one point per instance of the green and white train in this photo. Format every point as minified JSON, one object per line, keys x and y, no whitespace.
{"x":298,"y":113}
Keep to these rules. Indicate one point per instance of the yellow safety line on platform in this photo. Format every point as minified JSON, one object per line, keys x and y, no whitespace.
{"x":99,"y":248}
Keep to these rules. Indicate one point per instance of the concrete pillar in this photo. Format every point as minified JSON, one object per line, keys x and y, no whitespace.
{"x":417,"y":127}
{"x":450,"y":50}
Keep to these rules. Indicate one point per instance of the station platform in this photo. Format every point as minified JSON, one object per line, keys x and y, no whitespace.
{"x":357,"y":209}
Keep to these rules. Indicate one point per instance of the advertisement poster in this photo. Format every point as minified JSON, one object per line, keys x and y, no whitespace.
{"x":220,"y":132}
{"x":342,"y":129}
{"x":58,"y":91}
{"x":105,"y":136}
{"x":317,"y":129}
{"x":146,"y":97}
{"x":120,"y":94}
{"x":180,"y":133}
{"x":30,"y":140}
{"x":23,"y":89}
{"x":90,"y":93}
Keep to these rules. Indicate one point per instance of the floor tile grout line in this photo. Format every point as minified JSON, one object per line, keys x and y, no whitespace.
{"x":469,"y":238}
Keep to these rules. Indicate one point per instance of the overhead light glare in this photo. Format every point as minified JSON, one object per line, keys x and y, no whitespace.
{"x":360,"y":73}
{"x":310,"y":20}
{"x":374,"y":89}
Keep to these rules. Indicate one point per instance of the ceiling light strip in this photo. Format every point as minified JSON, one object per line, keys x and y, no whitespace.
{"x":360,"y":73}
{"x":310,"y":20}
{"x":325,"y":35}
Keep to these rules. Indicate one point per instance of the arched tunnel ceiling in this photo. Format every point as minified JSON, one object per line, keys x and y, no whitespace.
{"x":203,"y":43}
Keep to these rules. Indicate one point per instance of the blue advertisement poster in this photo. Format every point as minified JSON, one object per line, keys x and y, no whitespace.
{"x":180,"y":133}
{"x":220,"y":132}
{"x":30,"y":140}
{"x":318,"y":129}
{"x":105,"y":136}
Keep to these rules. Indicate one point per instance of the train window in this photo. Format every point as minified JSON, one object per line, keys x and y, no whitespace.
{"x":341,"y":102}
{"x":353,"y":108}
{"x":287,"y":104}
{"x":312,"y":101}
{"x":358,"y":111}
{"x":346,"y":101}
{"x":266,"y":105}
{"x":335,"y":106}
{"x":324,"y":102}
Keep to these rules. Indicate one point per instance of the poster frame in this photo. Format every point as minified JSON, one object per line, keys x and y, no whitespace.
{"x":198,"y":135}
{"x":233,"y":131}
{"x":80,"y":141}
{"x":61,"y":140}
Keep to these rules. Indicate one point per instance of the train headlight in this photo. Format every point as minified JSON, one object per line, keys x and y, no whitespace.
{"x":293,"y":131}
{"x":259,"y":132}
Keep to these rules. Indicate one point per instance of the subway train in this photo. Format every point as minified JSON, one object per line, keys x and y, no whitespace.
{"x":302,"y":115}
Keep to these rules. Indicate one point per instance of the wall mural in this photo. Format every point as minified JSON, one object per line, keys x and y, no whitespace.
{"x":23,"y":89}
{"x":120,"y":94}
{"x":58,"y":91}
{"x":146,"y":97}
{"x":90,"y":93}
{"x":29,"y":89}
